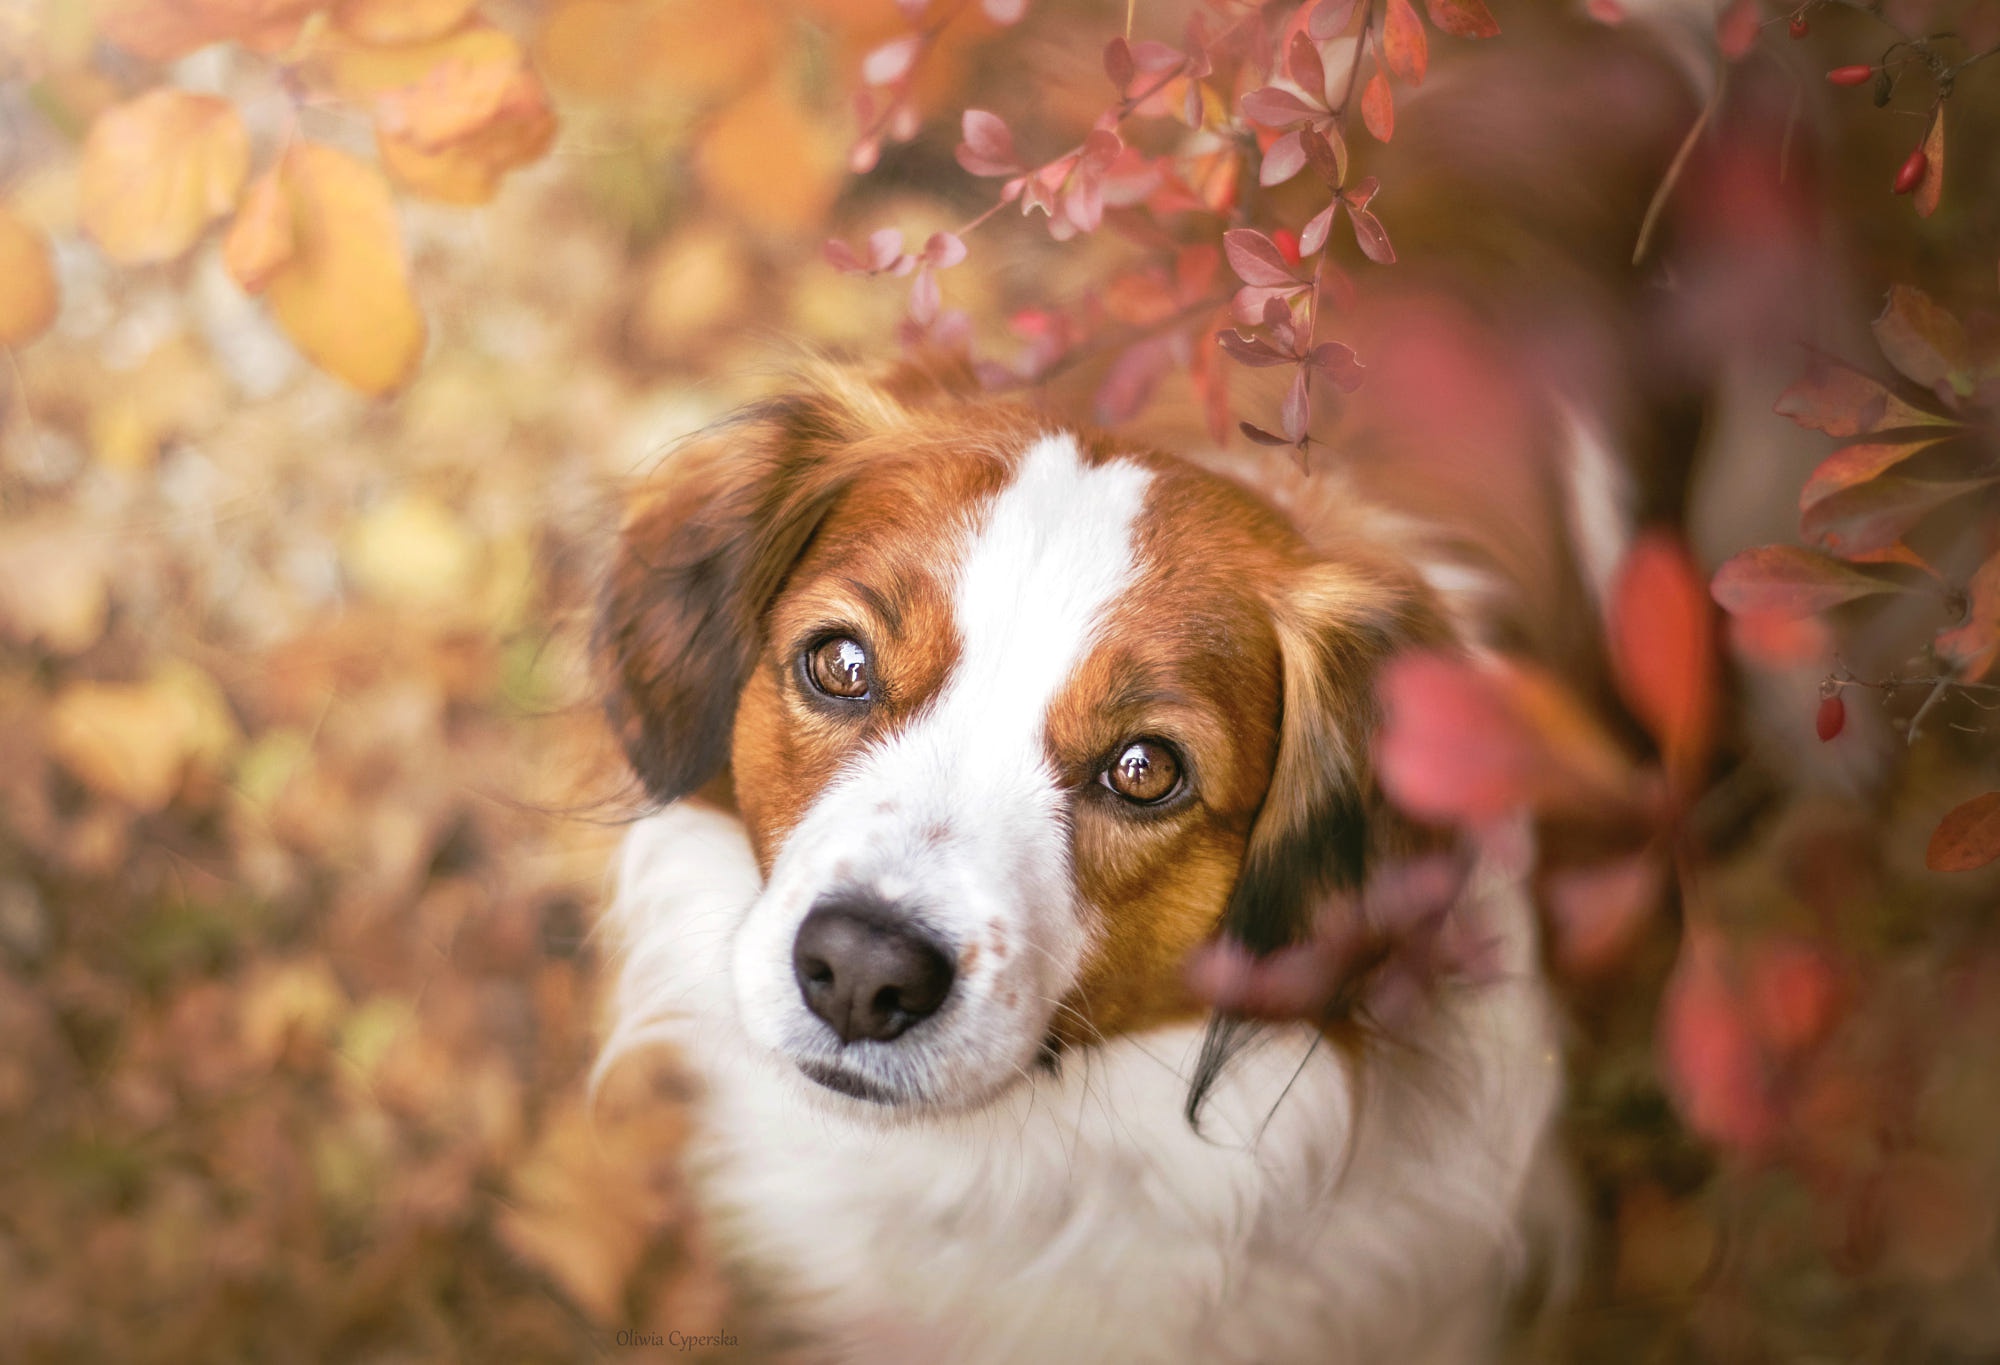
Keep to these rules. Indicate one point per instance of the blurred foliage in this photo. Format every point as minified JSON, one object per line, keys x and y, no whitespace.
{"x":335,"y":330}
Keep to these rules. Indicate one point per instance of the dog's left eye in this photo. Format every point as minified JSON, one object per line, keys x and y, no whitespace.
{"x":839,"y":668}
{"x":1145,"y":772}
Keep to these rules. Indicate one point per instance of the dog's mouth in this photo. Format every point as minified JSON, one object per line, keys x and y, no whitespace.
{"x":843,"y":1081}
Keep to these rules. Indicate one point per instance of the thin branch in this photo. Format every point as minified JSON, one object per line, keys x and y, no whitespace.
{"x":1678,"y":165}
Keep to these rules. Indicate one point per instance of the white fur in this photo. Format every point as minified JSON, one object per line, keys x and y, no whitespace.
{"x":957,"y":818}
{"x":1319,"y":1216}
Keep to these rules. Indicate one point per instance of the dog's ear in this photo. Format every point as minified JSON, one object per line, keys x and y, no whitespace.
{"x":1324,"y":817}
{"x":704,"y":550}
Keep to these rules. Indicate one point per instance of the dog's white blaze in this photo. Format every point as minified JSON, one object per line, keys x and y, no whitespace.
{"x":959,"y":817}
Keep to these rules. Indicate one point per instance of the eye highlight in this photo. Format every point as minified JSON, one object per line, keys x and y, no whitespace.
{"x":839,"y":668}
{"x":1144,"y":772}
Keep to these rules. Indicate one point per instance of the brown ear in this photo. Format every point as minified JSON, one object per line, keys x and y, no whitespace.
{"x":1323,"y":817}
{"x":703,"y":552}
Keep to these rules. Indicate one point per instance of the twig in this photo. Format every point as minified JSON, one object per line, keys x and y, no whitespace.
{"x":1679,"y":164}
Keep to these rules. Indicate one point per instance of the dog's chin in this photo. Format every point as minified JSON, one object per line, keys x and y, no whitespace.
{"x":857,"y":1090}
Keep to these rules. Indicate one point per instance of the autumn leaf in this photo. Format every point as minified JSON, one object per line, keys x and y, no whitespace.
{"x":1662,"y":638}
{"x":1463,"y":18}
{"x":1465,"y":742}
{"x":1931,"y":188}
{"x":1870,"y":518}
{"x":1855,"y":465}
{"x":158,"y":170}
{"x":1794,"y":992}
{"x":771,"y":161}
{"x":1924,"y":341}
{"x":1713,"y":1064}
{"x":1597,"y":911}
{"x":454,"y":134}
{"x":28,"y":295}
{"x":260,"y":240}
{"x":1789,"y":581}
{"x":343,"y":292}
{"x":167,"y":30}
{"x":401,"y":21}
{"x":135,"y":741}
{"x":1844,"y":402}
{"x":1968,"y":837}
{"x":1378,"y":107}
{"x":1405,"y":46}
{"x":1970,"y":648}
{"x":641,"y":50}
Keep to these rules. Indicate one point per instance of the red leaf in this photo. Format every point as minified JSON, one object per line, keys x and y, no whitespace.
{"x":1313,"y":237}
{"x":1131,"y":379}
{"x":1155,"y":57}
{"x":1967,"y":838}
{"x":1370,"y":235}
{"x":841,"y":256}
{"x":1296,"y":411}
{"x":988,"y":148}
{"x":1924,"y":341}
{"x":1255,"y":258}
{"x":1795,"y":995}
{"x":1930,"y":189}
{"x":1598,"y":911}
{"x":1285,"y":159}
{"x":1712,"y":1061}
{"x":1462,"y":742}
{"x":1857,"y":465}
{"x":1463,"y":18}
{"x":943,"y":250}
{"x":1275,"y":108}
{"x":1663,"y":653}
{"x":1971,"y":647}
{"x":1118,"y":64}
{"x":1252,"y":350}
{"x":1326,"y":152}
{"x":1874,"y":516}
{"x":885,"y":249}
{"x":1330,"y":17}
{"x":1404,"y":44}
{"x":1308,"y":71}
{"x":1844,"y":402}
{"x":1338,"y":364}
{"x":1786,"y":580}
{"x":1378,"y":107}
{"x":1278,"y":318}
{"x":1736,"y":30}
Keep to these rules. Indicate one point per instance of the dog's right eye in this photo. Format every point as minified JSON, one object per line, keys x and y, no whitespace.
{"x":839,"y":668}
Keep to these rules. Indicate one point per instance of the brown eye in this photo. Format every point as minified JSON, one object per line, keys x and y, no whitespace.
{"x":839,"y":668}
{"x":1144,"y":772}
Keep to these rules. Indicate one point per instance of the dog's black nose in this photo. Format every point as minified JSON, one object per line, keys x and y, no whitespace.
{"x":866,"y":972}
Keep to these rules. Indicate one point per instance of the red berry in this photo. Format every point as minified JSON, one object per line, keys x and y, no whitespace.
{"x":1799,"y":25}
{"x":1912,"y":174}
{"x":1832,"y":717}
{"x":1851,"y":75}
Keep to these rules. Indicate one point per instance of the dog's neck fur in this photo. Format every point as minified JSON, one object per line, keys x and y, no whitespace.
{"x":1329,"y":1209}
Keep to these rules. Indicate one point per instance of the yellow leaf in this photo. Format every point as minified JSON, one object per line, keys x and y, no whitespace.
{"x":400,"y":21}
{"x":355,"y":70}
{"x":158,"y":170}
{"x":772,"y":162}
{"x":260,"y":241}
{"x":452,"y":135}
{"x":343,"y":294}
{"x":412,"y":550}
{"x":634,"y":49}
{"x":27,"y":282}
{"x":134,"y":741}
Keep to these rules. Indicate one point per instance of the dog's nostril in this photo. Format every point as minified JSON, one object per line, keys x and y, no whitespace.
{"x":868,"y":972}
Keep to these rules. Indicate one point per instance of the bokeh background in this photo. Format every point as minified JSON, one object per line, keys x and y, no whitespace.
{"x":305,"y":806}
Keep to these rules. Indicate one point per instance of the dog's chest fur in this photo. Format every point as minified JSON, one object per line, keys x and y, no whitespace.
{"x":1326,"y":1211}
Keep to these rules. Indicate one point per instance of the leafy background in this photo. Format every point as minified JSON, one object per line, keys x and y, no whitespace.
{"x":335,"y":331}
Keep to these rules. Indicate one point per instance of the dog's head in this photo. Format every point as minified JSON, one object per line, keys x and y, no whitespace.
{"x":1014,"y":718}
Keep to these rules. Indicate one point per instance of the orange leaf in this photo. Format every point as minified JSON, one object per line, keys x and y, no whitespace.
{"x":1598,"y":911}
{"x":343,"y":294}
{"x":771,"y":161}
{"x":1967,"y":838}
{"x":454,"y":134}
{"x":158,"y":170}
{"x":1931,"y":188}
{"x":1663,"y":652}
{"x":1378,"y":106}
{"x":1463,"y":18}
{"x":626,"y":50}
{"x":1785,"y":580}
{"x":1713,"y":1063}
{"x":167,"y":30}
{"x":1404,"y":44}
{"x":27,"y":282}
{"x":1923,"y":340}
{"x":1795,"y":994}
{"x":1844,"y":402}
{"x":401,"y":21}
{"x":1467,"y":742}
{"x":1971,"y":646}
{"x":260,"y":241}
{"x":1869,"y":520}
{"x":1856,"y":465}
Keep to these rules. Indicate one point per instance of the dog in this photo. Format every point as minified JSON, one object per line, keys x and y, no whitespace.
{"x":964,"y":729}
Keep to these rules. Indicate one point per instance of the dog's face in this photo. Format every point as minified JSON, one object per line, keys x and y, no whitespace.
{"x":1014,"y":721}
